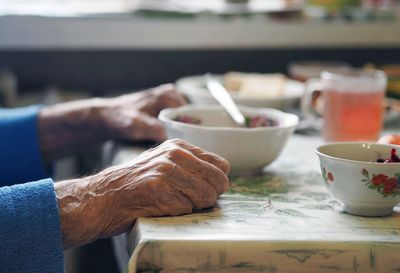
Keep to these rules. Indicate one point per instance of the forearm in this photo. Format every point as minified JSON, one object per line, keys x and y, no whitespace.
{"x":68,"y":127}
{"x":77,"y":214}
{"x":88,"y":205}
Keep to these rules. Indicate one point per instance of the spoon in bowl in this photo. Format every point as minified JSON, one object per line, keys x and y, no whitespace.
{"x":219,"y":92}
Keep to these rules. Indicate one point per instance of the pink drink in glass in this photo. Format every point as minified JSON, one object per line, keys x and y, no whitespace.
{"x":352,"y":115}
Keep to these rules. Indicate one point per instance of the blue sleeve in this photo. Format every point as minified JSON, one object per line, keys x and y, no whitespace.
{"x":20,"y":155}
{"x":30,"y":236}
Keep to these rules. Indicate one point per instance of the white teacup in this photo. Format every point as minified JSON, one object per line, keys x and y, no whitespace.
{"x":352,"y":175}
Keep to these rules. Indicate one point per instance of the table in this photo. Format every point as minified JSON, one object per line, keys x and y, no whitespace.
{"x":281,"y":221}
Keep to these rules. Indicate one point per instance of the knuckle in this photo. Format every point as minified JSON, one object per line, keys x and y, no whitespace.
{"x":173,"y":141}
{"x":165,"y":166}
{"x":179,"y":142}
{"x":163,"y":92}
{"x":137,"y":134}
{"x":176,"y":154}
{"x":167,"y":88}
{"x":220,"y":162}
{"x":173,"y":153}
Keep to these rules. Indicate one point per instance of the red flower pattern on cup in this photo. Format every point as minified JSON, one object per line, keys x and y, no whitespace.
{"x":379,"y":179}
{"x":387,"y":186}
{"x":390,"y":185}
{"x":327,"y":176}
{"x":330,"y":177}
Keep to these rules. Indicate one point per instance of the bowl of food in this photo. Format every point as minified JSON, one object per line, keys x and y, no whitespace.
{"x":365,"y":177}
{"x":248,"y":89}
{"x":248,"y":149}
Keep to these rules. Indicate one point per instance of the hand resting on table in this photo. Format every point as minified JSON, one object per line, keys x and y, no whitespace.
{"x":172,"y":179}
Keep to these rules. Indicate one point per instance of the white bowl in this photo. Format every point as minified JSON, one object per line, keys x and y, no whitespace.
{"x":194,"y":88}
{"x":247,"y":149}
{"x":364,"y":187}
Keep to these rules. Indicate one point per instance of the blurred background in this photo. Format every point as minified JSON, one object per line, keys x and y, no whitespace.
{"x":60,"y":50}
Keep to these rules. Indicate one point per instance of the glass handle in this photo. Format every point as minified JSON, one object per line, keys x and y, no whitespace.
{"x":307,"y":109}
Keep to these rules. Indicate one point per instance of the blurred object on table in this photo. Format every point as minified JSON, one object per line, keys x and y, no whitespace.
{"x":8,"y":89}
{"x":390,"y":139}
{"x":255,"y":84}
{"x":307,"y":69}
{"x":264,"y":92}
{"x":393,"y":73}
{"x":391,"y":109}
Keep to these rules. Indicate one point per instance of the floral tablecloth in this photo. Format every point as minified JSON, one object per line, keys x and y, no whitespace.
{"x":281,"y":221}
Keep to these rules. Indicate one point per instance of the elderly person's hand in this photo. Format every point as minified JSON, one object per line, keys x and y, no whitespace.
{"x":68,"y":127}
{"x":172,"y":179}
{"x":134,"y":116}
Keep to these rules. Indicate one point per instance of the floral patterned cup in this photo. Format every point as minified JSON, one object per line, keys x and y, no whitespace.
{"x":352,"y":175}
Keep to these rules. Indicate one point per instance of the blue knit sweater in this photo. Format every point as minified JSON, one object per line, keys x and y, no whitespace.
{"x":30,"y":235}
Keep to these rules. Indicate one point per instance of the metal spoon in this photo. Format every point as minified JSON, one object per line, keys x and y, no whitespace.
{"x":222,"y":96}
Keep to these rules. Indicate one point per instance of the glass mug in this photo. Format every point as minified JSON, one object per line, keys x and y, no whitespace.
{"x":352,"y":107}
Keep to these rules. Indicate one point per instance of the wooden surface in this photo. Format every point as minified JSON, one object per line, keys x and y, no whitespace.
{"x":281,"y":221}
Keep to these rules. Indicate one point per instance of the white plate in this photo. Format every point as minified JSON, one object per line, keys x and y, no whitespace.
{"x":194,"y":88}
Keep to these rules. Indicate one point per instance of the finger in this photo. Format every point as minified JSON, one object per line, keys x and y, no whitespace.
{"x":209,"y":157}
{"x":145,"y":127}
{"x":168,"y":97}
{"x":198,"y":167}
{"x":178,"y":203}
{"x":190,"y":184}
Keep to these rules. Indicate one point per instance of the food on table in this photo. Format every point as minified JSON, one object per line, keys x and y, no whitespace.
{"x":251,"y":122}
{"x":394,"y":158}
{"x":188,"y":119}
{"x":255,"y":85}
{"x":233,"y":80}
{"x":390,"y":139}
{"x":259,"y":121}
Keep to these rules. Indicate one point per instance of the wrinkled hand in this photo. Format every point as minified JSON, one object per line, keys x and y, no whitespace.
{"x":172,"y":179}
{"x":134,"y":116}
{"x":67,"y":128}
